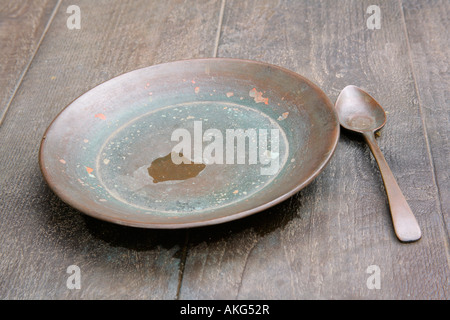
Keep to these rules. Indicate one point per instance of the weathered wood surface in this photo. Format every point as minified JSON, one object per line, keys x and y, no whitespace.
{"x":22,"y":26}
{"x":427,"y":24}
{"x":319,"y":243}
{"x":39,"y":235}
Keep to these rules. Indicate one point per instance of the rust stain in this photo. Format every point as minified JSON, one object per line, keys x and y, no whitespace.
{"x":230,"y":94}
{"x":101,"y":116}
{"x":283,"y":116}
{"x":257,"y":95}
{"x":89,"y":170}
{"x":197,"y":89}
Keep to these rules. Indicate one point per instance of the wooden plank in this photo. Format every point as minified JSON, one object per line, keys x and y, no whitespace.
{"x":22,"y":25}
{"x":427,"y":23}
{"x":40,"y":236}
{"x":320,"y":243}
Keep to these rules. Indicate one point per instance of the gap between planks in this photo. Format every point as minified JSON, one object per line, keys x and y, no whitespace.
{"x":219,"y":28}
{"x":186,"y":242}
{"x":27,"y":67}
{"x":424,"y":128}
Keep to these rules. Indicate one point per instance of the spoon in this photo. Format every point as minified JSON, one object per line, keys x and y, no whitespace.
{"x":358,"y":111}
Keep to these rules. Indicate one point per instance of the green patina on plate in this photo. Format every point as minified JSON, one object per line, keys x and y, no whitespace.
{"x":108,"y":153}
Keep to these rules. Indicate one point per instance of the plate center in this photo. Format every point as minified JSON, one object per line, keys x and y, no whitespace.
{"x":192,"y":157}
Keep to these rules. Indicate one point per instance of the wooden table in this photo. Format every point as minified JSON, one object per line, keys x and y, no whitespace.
{"x":319,"y":244}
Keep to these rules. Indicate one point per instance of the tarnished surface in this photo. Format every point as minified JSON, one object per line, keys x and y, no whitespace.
{"x":98,"y":153}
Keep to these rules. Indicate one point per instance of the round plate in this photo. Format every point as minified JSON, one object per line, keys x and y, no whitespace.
{"x":248,"y":136}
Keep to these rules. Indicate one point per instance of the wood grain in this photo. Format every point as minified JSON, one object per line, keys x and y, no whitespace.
{"x":427,"y":25}
{"x":40,"y":235}
{"x":316,"y":245}
{"x":320,"y":243}
{"x":22,"y":26}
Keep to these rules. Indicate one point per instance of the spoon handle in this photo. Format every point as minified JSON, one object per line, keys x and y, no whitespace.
{"x":405,"y":224}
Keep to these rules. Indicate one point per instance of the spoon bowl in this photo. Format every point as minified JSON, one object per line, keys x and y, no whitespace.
{"x":358,"y":111}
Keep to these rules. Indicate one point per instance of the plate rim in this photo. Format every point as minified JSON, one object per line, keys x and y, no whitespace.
{"x":173,"y":225}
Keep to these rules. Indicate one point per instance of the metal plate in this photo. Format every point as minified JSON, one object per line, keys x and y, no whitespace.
{"x":109,"y":153}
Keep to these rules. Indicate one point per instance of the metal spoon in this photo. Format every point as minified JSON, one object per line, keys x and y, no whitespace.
{"x":358,"y":111}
